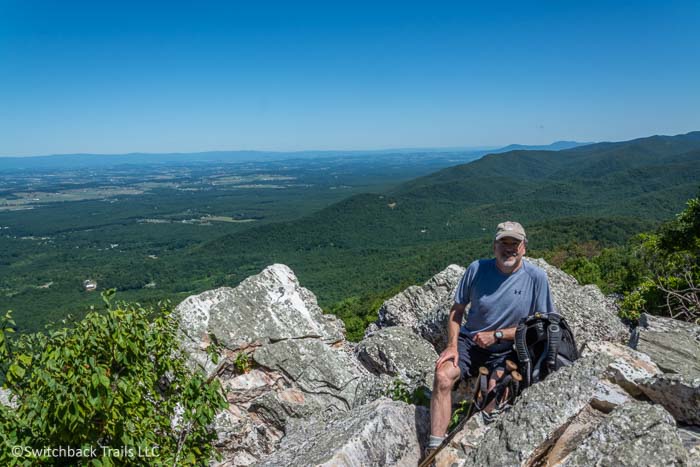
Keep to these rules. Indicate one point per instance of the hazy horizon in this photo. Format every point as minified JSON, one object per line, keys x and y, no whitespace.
{"x":309,"y":150}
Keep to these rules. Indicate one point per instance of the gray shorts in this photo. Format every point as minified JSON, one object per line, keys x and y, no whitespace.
{"x":471,"y":357}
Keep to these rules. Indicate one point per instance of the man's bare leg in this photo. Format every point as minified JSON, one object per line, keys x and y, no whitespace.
{"x":441,"y":401}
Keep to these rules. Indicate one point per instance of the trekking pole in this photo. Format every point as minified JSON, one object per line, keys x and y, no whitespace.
{"x":475,"y":396}
{"x":503,"y":391}
{"x":517,"y":379}
{"x":483,"y":383}
{"x":513,"y":383}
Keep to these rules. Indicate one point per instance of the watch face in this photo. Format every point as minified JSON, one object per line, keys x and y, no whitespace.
{"x":498,"y":334}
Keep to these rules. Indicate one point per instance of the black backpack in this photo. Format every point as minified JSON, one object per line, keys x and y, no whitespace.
{"x":544,"y":343}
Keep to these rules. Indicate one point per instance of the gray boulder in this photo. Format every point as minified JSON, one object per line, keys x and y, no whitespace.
{"x":398,"y":352}
{"x":242,"y":438}
{"x":540,"y":416}
{"x":608,"y":395}
{"x":300,"y":364}
{"x":679,"y":396}
{"x":673,"y":345}
{"x":326,"y":379}
{"x":574,"y":433}
{"x":382,"y":433}
{"x":641,"y":377}
{"x":635,"y":434}
{"x":591,"y":316}
{"x":628,"y":367}
{"x":424,"y":309}
{"x":690,"y":435}
{"x":268,"y":307}
{"x":193,"y":315}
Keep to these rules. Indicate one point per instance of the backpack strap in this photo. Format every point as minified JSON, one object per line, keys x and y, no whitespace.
{"x":522,"y":351}
{"x":553,"y":340}
{"x":536,"y":371}
{"x":517,"y":379}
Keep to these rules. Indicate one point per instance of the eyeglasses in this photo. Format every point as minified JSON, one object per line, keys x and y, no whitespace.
{"x":509,"y":243}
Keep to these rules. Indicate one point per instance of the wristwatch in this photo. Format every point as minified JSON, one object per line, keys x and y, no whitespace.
{"x":498,"y":335}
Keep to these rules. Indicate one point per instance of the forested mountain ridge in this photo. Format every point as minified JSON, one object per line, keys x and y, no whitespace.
{"x":607,"y":165}
{"x":649,"y":178}
{"x":603,"y":192}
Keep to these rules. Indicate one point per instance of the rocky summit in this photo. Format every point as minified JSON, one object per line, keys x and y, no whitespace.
{"x":300,"y":394}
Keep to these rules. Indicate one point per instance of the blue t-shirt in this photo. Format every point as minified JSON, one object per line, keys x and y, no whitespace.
{"x":501,"y":300}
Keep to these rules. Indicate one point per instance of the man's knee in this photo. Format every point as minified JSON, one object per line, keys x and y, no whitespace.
{"x":446,"y":376}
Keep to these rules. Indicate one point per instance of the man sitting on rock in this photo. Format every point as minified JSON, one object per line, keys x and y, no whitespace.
{"x":502,"y":291}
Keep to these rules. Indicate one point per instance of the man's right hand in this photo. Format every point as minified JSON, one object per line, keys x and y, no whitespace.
{"x":450,"y":353}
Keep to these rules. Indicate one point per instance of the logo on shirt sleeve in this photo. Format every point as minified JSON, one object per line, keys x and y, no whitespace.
{"x":517,"y":292}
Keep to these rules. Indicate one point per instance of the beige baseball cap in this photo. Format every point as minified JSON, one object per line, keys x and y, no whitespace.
{"x":510,"y":229}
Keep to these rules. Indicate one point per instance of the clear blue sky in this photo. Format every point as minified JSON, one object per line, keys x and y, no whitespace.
{"x":114,"y":77}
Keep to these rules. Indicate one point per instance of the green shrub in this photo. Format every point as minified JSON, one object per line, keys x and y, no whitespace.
{"x":672,"y":259}
{"x":398,"y":391}
{"x":658,"y":273}
{"x":459,"y":414}
{"x":634,"y":303}
{"x":242,"y":363}
{"x":113,"y":385}
{"x":584,"y":270}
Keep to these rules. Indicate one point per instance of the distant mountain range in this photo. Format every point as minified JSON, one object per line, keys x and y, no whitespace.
{"x":556,"y":146}
{"x":81,"y":161}
{"x":604,"y":192}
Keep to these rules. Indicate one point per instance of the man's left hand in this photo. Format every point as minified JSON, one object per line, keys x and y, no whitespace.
{"x":484,"y":339}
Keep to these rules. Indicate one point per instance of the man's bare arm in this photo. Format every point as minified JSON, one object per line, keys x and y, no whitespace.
{"x":486,"y":339}
{"x":454,"y":323}
{"x":509,"y":333}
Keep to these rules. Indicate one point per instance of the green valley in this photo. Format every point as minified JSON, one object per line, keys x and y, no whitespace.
{"x":352,"y":248}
